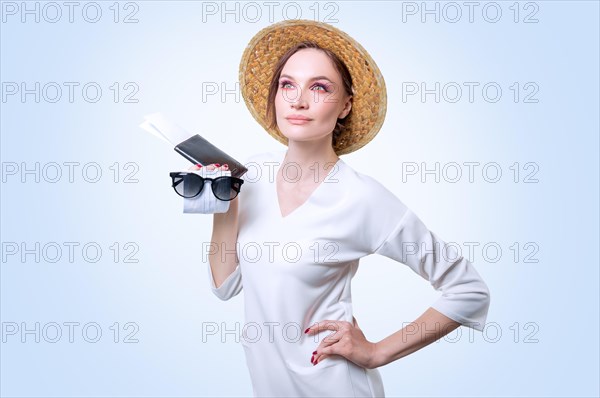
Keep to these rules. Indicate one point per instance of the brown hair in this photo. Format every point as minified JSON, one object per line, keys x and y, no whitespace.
{"x":274,"y":85}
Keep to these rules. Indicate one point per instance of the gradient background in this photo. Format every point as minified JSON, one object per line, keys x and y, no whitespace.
{"x":542,"y":334}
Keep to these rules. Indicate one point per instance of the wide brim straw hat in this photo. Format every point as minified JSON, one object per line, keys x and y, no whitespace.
{"x":369,"y":101}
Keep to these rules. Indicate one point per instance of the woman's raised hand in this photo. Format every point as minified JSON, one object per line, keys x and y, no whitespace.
{"x":212,"y":166}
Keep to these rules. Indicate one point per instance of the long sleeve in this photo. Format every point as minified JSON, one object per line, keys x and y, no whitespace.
{"x":230,"y":287}
{"x":465,"y":296}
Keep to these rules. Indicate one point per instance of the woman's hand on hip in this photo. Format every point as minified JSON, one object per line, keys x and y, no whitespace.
{"x":347,"y":340}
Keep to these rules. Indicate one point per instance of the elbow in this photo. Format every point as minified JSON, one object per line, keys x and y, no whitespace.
{"x":484,"y":303}
{"x":480,"y":293}
{"x":488,"y":301}
{"x":486,"y":295}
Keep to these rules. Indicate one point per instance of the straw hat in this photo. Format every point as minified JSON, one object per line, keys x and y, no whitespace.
{"x":369,"y":100}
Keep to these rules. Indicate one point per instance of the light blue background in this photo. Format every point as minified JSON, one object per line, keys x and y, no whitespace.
{"x":547,"y":312}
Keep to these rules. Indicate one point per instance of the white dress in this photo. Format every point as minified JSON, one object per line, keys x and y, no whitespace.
{"x":297,"y":270}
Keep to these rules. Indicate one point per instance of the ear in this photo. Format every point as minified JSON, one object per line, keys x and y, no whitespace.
{"x":347,"y":108}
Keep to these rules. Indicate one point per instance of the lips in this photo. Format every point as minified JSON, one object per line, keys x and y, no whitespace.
{"x":298,"y":118}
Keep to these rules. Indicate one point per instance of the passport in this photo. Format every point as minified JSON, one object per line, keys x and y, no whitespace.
{"x":197,"y":149}
{"x":194,"y":148}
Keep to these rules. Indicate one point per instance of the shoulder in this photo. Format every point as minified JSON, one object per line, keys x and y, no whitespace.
{"x":377,"y":209}
{"x":371,"y":191}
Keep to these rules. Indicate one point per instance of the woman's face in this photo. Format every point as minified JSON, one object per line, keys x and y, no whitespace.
{"x":310,"y":97}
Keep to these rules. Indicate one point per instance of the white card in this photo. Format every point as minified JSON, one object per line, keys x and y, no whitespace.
{"x":160,"y":126}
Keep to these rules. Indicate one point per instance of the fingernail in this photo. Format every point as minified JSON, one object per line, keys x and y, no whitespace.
{"x":217,"y":164}
{"x":198,"y":165}
{"x":314,"y":353}
{"x":312,"y":359}
{"x":306,"y":331}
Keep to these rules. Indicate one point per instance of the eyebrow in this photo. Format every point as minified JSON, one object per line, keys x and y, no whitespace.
{"x":312,"y":79}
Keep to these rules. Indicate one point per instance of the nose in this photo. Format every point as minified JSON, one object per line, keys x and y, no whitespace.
{"x":299,"y":101}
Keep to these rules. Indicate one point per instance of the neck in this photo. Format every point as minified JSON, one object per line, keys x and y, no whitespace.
{"x":310,"y":158}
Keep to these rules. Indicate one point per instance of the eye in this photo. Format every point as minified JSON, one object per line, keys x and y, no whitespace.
{"x":284,"y":83}
{"x":323,"y":86}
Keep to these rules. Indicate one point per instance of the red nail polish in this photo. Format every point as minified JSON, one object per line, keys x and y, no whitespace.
{"x":306,"y":331}
{"x":312,"y":359}
{"x":198,"y":165}
{"x":217,"y":164}
{"x":314,"y":353}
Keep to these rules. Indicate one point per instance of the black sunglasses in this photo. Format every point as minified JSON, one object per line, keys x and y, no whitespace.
{"x":190,"y":185}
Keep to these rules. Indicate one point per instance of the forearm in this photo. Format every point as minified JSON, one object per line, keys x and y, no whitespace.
{"x":223,"y":254}
{"x":428,"y":328}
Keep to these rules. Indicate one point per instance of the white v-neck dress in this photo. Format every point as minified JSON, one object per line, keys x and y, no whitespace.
{"x":297,"y":270}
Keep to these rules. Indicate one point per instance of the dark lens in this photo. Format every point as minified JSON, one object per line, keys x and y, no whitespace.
{"x":188,"y":185}
{"x":226,"y":188}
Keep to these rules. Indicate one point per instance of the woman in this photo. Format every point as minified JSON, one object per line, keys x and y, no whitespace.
{"x":301,"y":231}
